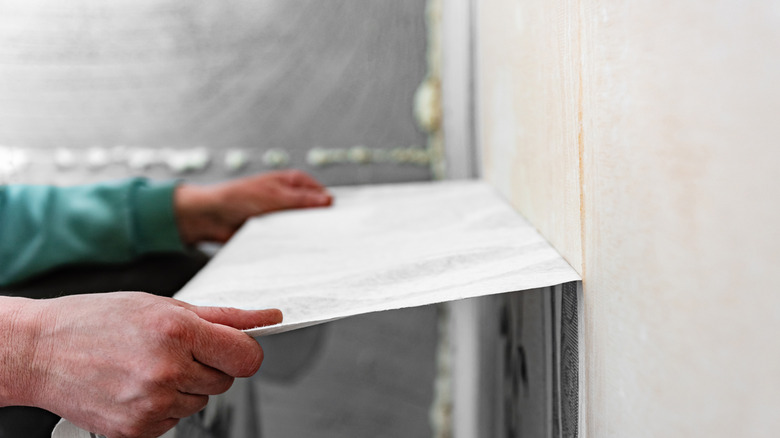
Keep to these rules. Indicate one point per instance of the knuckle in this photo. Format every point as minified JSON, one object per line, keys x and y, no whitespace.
{"x":166,"y":374}
{"x":142,"y":418}
{"x":224,"y":312}
{"x":171,"y":328}
{"x":275,"y":191}
{"x":158,"y":405}
{"x":295,"y":174}
{"x":133,"y":429}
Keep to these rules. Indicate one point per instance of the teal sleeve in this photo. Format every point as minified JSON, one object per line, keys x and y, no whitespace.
{"x":43,"y":227}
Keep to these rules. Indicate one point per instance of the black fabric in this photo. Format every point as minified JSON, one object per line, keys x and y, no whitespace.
{"x":26,"y":422}
{"x":161,"y":274}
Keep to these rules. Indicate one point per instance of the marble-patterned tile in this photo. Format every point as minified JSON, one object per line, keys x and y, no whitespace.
{"x":379,"y":248}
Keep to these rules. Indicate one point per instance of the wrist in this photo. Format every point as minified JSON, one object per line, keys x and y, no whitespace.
{"x":195,"y":211}
{"x":21,"y":375}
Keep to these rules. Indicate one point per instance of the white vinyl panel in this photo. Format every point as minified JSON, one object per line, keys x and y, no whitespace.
{"x":528,"y":85}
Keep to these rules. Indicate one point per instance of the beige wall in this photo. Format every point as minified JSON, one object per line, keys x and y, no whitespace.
{"x":528,"y":72}
{"x":641,"y":137}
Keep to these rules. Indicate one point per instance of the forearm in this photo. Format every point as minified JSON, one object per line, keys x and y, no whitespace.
{"x":43,"y":227}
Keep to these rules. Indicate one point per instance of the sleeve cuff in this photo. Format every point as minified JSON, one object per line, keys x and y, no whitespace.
{"x":155,"y":218}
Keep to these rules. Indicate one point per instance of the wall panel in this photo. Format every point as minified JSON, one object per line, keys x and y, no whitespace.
{"x":678,"y":105}
{"x":681,"y":211}
{"x":528,"y":71}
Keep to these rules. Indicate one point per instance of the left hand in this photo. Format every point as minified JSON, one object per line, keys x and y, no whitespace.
{"x":214,"y":213}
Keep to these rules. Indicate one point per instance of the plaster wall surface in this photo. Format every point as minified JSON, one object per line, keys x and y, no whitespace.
{"x":640,"y":137}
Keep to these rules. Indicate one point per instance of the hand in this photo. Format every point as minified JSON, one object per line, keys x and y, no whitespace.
{"x":129,"y":364}
{"x":215,"y":213}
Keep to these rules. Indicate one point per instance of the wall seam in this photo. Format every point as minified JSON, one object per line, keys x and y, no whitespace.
{"x":583,"y":392}
{"x":581,"y":138}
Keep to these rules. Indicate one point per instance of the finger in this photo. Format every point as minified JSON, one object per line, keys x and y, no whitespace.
{"x":138,"y":428}
{"x":228,"y":350}
{"x":165,"y":426}
{"x":187,"y":404}
{"x":158,"y":428}
{"x":299,"y":198}
{"x":238,"y":318}
{"x":296,"y":178}
{"x":204,"y":380}
{"x":217,"y":344}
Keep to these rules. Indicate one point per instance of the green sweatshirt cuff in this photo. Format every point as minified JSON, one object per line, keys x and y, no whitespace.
{"x":155,"y":218}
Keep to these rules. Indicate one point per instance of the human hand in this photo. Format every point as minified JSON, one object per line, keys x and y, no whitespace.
{"x":129,"y":364}
{"x":214,"y":213}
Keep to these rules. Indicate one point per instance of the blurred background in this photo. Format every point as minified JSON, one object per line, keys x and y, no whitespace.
{"x":91,"y":90}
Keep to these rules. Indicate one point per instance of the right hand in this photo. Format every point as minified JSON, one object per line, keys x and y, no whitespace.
{"x":214,"y":213}
{"x":129,"y":364}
